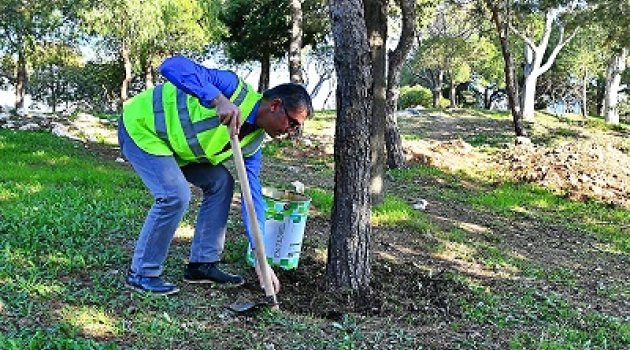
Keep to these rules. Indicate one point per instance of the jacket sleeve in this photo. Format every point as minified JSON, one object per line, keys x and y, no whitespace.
{"x":252,"y":166}
{"x":197,"y":80}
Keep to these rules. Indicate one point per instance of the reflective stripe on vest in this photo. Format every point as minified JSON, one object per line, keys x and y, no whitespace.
{"x":165,"y":121}
{"x":192,"y":129}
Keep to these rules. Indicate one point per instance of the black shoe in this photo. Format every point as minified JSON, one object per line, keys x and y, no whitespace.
{"x":149,"y":284}
{"x":210,"y":273}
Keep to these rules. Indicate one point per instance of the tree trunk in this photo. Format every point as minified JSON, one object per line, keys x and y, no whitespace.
{"x":265,"y":68}
{"x":21,"y":80}
{"x":348,"y":264}
{"x":436,"y":90}
{"x":510,"y":76}
{"x":601,"y":96}
{"x":295,"y":45}
{"x":453,"y":94}
{"x":124,"y":86}
{"x":376,"y":24}
{"x":147,"y":69}
{"x":534,"y":66}
{"x":487,"y":103}
{"x":616,"y":67}
{"x":396,"y":59}
{"x":529,"y":97}
{"x":584,"y":108}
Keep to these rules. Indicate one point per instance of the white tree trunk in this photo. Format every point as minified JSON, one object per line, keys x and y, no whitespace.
{"x":616,"y":67}
{"x":534,"y":66}
{"x":529,"y":97}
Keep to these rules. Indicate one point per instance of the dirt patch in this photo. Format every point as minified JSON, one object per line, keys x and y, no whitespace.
{"x":582,"y":171}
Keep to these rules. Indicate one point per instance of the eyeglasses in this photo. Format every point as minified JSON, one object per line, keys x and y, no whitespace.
{"x":293,"y":123}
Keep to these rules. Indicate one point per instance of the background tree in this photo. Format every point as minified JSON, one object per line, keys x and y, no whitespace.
{"x":125,"y":24}
{"x":321,"y":58}
{"x":53,"y":69}
{"x":411,"y":17}
{"x":500,"y":14}
{"x":185,"y":28}
{"x":489,"y":73}
{"x":445,"y":48}
{"x":615,"y":17}
{"x":259,"y":30}
{"x":534,"y":55}
{"x":348,"y":264}
{"x":582,"y":60}
{"x":376,"y":25}
{"x":295,"y":42}
{"x":145,"y":32}
{"x":26,"y":24}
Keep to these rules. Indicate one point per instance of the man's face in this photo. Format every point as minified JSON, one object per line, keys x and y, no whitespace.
{"x":283,"y":121}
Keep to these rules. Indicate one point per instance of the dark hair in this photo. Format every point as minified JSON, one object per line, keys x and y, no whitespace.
{"x":293,"y":96}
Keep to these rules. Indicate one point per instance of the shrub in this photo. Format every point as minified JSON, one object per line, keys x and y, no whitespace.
{"x":418,"y":95}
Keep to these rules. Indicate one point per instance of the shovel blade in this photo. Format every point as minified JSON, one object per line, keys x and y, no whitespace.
{"x":240,"y":308}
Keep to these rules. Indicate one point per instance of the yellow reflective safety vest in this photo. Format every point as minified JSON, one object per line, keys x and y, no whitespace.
{"x":165,"y":121}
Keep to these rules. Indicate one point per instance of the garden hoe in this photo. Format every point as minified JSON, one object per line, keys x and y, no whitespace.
{"x":270,"y":296}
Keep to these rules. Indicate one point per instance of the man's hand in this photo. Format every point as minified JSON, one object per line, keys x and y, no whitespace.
{"x":274,"y":279}
{"x":228,"y":113}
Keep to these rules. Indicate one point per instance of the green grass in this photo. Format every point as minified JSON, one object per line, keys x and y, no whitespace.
{"x":562,"y":325}
{"x":513,"y":200}
{"x":397,"y":212}
{"x":68,"y":222}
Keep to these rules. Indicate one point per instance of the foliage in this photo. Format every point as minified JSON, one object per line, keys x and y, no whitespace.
{"x":260,"y":24}
{"x":411,"y":96}
{"x":152,"y":30}
{"x":53,"y":69}
{"x":25,"y":25}
{"x":264,"y":25}
{"x":614,"y":15}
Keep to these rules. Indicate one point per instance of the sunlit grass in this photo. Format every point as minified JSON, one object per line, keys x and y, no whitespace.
{"x":91,"y":321}
{"x":397,"y":212}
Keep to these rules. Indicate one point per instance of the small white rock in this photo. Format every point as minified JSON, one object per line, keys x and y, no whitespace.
{"x":521,"y":140}
{"x":29,"y":126}
{"x":120,"y":160}
{"x":299,"y":187}
{"x":421,"y":204}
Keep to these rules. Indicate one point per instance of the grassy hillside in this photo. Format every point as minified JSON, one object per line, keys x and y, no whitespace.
{"x":492,"y":263}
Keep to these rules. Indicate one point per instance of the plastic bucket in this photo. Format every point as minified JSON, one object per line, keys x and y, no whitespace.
{"x":285,"y":220}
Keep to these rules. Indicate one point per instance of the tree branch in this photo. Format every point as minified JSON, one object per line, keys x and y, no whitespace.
{"x":527,"y":40}
{"x":556,"y":50}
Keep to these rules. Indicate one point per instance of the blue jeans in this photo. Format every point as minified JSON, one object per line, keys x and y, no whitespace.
{"x":169,"y":185}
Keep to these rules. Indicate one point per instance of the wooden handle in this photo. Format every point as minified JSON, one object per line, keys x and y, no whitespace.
{"x":253,"y":221}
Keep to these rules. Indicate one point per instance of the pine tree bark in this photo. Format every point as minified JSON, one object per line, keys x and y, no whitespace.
{"x":348,"y":265}
{"x":396,"y":59}
{"x":502,"y":28}
{"x":295,"y":45}
{"x":376,"y":24}
{"x":265,"y":69}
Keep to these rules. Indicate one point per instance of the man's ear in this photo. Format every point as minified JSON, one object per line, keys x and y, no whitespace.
{"x":275,"y":104}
